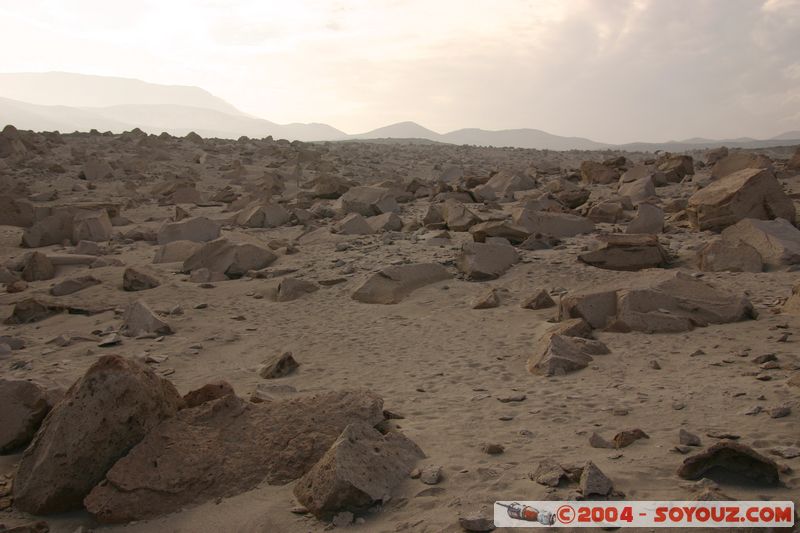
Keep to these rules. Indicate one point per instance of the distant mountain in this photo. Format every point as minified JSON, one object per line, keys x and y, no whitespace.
{"x":521,"y":138}
{"x":787,"y":136}
{"x":174,"y":119}
{"x":81,"y":90}
{"x":69,"y":102}
{"x":401,"y":130}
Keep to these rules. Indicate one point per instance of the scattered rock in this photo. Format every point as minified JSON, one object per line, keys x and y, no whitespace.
{"x":594,"y":482}
{"x":479,"y":261}
{"x":139,"y":319}
{"x":734,"y":458}
{"x":688,"y":439}
{"x":104,"y":414}
{"x":488,"y":300}
{"x":135,"y":279}
{"x":777,"y":242}
{"x":628,"y":437}
{"x":38,"y":267}
{"x":207,"y":393}
{"x":392,"y":284}
{"x":25,"y":405}
{"x":540,"y":300}
{"x":195,"y":229}
{"x":627,"y":252}
{"x":279,"y":366}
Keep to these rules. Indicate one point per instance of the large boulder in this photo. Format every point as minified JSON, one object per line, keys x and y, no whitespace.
{"x":91,"y":226}
{"x":639,"y":190}
{"x":25,"y":405}
{"x":176,"y":251}
{"x":52,"y":229}
{"x":224,"y":447}
{"x":263,"y":216}
{"x":723,"y":256}
{"x":504,"y":184}
{"x":736,"y":161}
{"x":558,"y":225}
{"x":197,"y":229}
{"x":361,"y":468}
{"x":392,"y":284}
{"x":103,"y":415}
{"x":627,"y":252}
{"x":232,"y":259}
{"x":776,"y":241}
{"x":480,"y":261}
{"x":457,"y":216}
{"x":37,"y":267}
{"x":139,"y":319}
{"x":593,"y":172}
{"x":656,"y":301}
{"x":499,"y":228}
{"x":676,"y":166}
{"x":748,"y":193}
{"x":649,"y":219}
{"x":368,"y":201}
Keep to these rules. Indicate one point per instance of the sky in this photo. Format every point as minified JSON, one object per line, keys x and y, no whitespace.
{"x":610,"y":70}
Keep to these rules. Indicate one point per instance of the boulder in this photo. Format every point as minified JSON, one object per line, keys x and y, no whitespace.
{"x":776,"y":241}
{"x":676,"y":167}
{"x":736,"y":161}
{"x":559,"y":225}
{"x":607,"y":211}
{"x":290,"y":289}
{"x":627,"y":252}
{"x":71,"y":285}
{"x":96,"y":168}
{"x":457,"y":216}
{"x":478,"y":261}
{"x":206,"y":393}
{"x":361,"y":468}
{"x":539,"y":300}
{"x":385,"y":222}
{"x":749,"y":193}
{"x":392,"y":284}
{"x":499,"y":228}
{"x":504,"y":184}
{"x":235,"y":446}
{"x":735,"y":459}
{"x":638,"y":191}
{"x":488,"y":300}
{"x":279,"y":366}
{"x":263,"y":216}
{"x":593,"y":482}
{"x":723,"y":256}
{"x":38,"y":267}
{"x":139,"y":319}
{"x":794,"y":162}
{"x":330,"y":187}
{"x":562,"y":354}
{"x":91,"y":226}
{"x":25,"y":405}
{"x":715,"y":154}
{"x":368,"y":201}
{"x":792,"y":304}
{"x":103,"y":415}
{"x":649,"y":219}
{"x":593,"y":172}
{"x":354,"y":224}
{"x":656,"y":302}
{"x":197,"y":229}
{"x":232,"y":259}
{"x":52,"y":229}
{"x":176,"y":251}
{"x":137,"y":279}
{"x":33,"y":310}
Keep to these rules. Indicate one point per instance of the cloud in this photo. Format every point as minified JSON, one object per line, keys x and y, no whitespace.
{"x":612,"y":70}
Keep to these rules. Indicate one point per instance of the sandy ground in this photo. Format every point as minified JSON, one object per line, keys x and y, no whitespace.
{"x":441,"y":365}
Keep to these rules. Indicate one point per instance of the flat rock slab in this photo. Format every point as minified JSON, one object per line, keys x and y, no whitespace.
{"x":393,"y":284}
{"x":734,"y":458}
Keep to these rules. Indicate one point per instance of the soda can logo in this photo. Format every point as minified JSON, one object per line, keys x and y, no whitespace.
{"x":650,"y":514}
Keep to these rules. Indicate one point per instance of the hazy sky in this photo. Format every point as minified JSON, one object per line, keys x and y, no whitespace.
{"x":611,"y":70}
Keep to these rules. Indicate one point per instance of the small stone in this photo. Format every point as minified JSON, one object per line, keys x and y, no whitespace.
{"x":517,"y":397}
{"x":477,"y":524}
{"x":628,"y":437}
{"x":431,"y":474}
{"x":780,"y":411}
{"x":493,"y":449}
{"x":110,"y":340}
{"x":597,"y":441}
{"x":594,"y":482}
{"x":654,"y":365}
{"x":278,"y":367}
{"x":787,"y":452}
{"x":764,"y":358}
{"x":688,"y":439}
{"x":540,"y":300}
{"x":489,"y":300}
